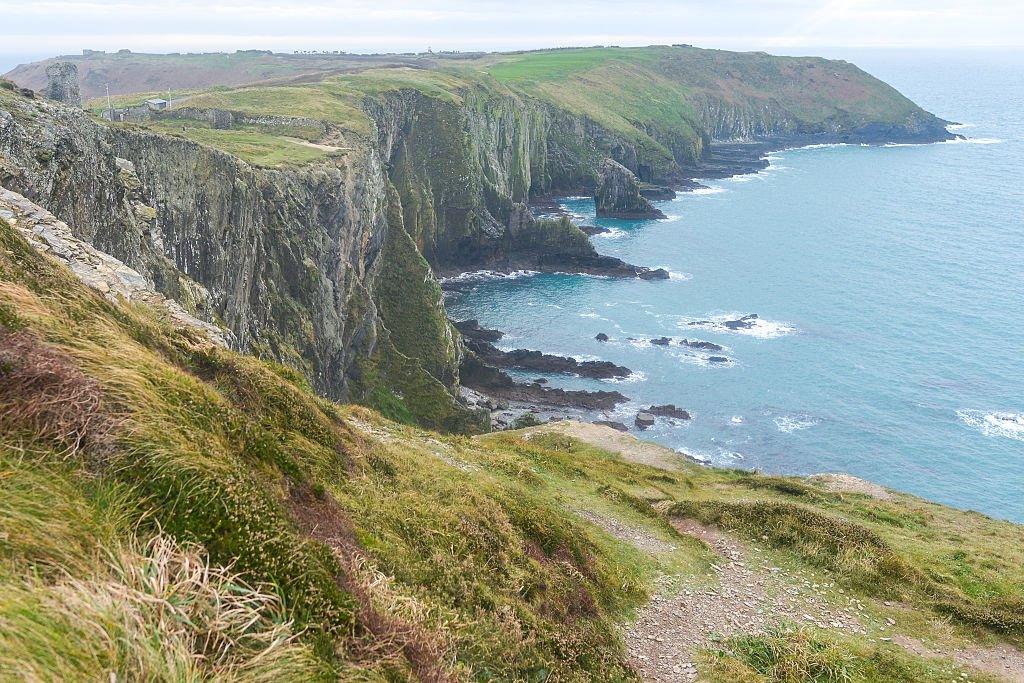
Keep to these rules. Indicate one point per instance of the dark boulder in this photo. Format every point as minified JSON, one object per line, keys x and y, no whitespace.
{"x":699,"y":344}
{"x":644,"y":420}
{"x":662,"y":341}
{"x":653,"y":274}
{"x":601,"y":337}
{"x":669,"y":410}
{"x":472,"y":330}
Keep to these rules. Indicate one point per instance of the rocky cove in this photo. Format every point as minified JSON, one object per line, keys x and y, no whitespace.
{"x":331,"y":267}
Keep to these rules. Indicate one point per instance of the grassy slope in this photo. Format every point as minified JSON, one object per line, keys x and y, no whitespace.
{"x":648,"y":95}
{"x":129,"y":450}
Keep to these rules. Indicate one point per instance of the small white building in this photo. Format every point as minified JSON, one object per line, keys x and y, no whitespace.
{"x":157,"y":105}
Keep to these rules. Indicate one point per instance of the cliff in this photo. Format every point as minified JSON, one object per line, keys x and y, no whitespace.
{"x":173,"y":510}
{"x":310,"y":218}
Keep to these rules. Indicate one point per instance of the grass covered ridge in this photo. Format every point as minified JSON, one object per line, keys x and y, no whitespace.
{"x":390,"y":562}
{"x":291,"y":538}
{"x":662,"y":100}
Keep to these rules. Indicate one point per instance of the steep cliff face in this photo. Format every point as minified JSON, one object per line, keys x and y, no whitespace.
{"x":320,"y":251}
{"x":288,"y":260}
{"x":618,"y":194}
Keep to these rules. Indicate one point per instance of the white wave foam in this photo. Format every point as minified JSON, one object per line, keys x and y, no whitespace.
{"x":996,"y":423}
{"x":672,"y":275}
{"x":632,"y":378}
{"x":670,"y":217}
{"x":720,"y":456}
{"x":972,"y":141}
{"x":794,"y":423}
{"x":612,"y":234}
{"x":484,"y":275}
{"x":759,"y":327}
{"x":713,"y":189}
{"x":736,"y":420}
{"x":959,"y":126}
{"x":825,"y":145}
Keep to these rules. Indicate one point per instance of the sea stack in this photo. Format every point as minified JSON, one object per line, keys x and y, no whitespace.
{"x":62,"y":84}
{"x":618,"y":194}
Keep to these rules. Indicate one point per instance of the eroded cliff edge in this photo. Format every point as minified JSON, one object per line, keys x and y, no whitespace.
{"x":328,"y":266}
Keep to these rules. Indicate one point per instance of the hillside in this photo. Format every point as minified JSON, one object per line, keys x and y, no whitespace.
{"x":310,"y":214}
{"x":172,"y":510}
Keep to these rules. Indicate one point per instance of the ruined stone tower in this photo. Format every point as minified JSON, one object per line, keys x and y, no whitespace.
{"x":62,"y":83}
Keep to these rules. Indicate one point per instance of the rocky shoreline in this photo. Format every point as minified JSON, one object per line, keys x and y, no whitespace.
{"x":620,"y":194}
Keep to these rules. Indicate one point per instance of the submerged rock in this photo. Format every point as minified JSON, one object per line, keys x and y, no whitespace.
{"x":472,"y":330}
{"x":699,"y":344}
{"x":601,"y":337}
{"x":535,"y":361}
{"x":669,"y":410}
{"x":662,"y":341}
{"x":618,"y":194}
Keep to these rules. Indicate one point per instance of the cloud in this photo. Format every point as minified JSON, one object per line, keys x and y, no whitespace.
{"x":393,"y":25}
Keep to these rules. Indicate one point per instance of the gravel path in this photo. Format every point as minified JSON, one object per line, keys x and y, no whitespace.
{"x":751,"y":597}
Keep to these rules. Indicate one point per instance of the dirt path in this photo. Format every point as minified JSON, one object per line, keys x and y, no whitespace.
{"x":751,"y":596}
{"x":1004,"y":661}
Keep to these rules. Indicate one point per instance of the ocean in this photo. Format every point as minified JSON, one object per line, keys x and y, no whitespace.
{"x":888,"y":284}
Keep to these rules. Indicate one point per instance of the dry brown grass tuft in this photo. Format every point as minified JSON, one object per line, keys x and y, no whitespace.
{"x":157,"y":612}
{"x":42,"y":390}
{"x":396,"y":627}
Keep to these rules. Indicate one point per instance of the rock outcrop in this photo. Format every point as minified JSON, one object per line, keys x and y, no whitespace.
{"x":311,"y":266}
{"x":618,"y":194}
{"x":102,"y":272}
{"x":62,"y":84}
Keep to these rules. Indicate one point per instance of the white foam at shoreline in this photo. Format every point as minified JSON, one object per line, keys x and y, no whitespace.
{"x":972,"y":141}
{"x":485,"y":275}
{"x":721,"y":456}
{"x":632,"y":378}
{"x":672,"y":275}
{"x":995,"y":423}
{"x":705,"y":191}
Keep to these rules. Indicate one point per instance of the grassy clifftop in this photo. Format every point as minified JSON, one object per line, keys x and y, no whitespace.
{"x":667,"y":101}
{"x":174,"y":511}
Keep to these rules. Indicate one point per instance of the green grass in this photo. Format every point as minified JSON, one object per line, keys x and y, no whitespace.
{"x":367,"y":549}
{"x":249,"y":144}
{"x":555,"y":65}
{"x":795,"y":655}
{"x":424,"y":565}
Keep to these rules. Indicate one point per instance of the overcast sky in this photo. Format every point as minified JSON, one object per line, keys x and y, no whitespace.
{"x":36,"y":28}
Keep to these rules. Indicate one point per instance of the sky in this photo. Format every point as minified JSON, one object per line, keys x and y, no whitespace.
{"x":32,"y":29}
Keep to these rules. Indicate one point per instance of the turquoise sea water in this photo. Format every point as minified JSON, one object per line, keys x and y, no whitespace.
{"x":890,"y":286}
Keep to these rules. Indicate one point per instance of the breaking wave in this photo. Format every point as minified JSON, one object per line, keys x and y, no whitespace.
{"x":997,"y":423}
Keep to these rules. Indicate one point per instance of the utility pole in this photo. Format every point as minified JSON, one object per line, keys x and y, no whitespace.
{"x":110,"y":109}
